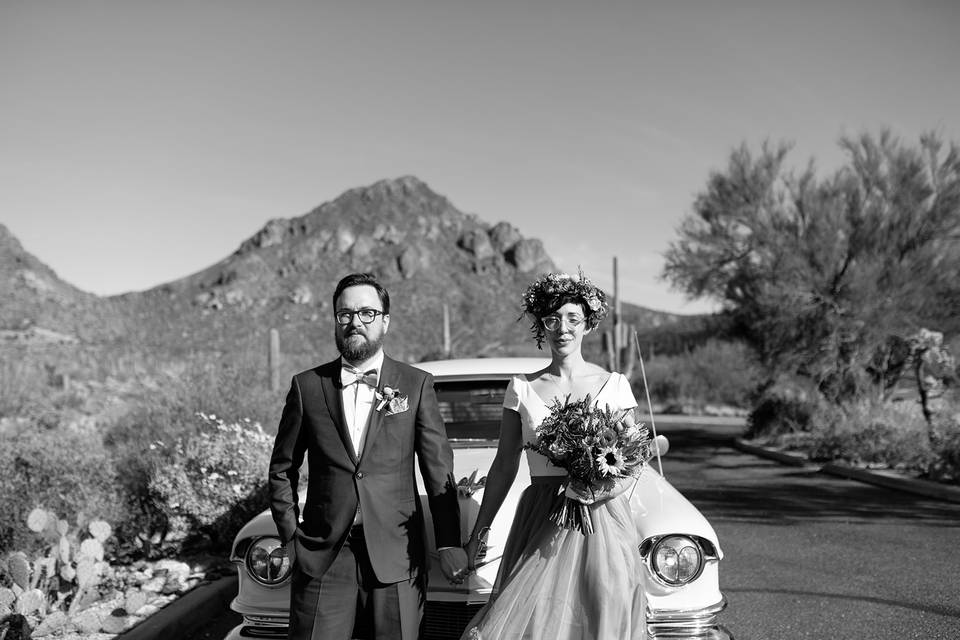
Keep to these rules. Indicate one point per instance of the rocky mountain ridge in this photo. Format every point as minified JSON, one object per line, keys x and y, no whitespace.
{"x":428,"y":253}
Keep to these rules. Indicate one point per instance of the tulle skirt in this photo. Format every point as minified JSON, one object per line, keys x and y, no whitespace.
{"x":559,"y":584}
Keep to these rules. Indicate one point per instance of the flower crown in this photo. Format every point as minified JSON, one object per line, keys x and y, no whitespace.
{"x":548,"y":293}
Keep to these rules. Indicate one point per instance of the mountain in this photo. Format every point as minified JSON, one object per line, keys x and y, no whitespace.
{"x":37,"y":305}
{"x":426,"y":252}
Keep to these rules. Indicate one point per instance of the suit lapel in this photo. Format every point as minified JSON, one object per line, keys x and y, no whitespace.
{"x":389,"y":377}
{"x":332,"y":390}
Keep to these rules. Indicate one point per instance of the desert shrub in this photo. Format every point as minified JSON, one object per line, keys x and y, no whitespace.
{"x":66,"y":471}
{"x":34,"y":391}
{"x":187,"y":388}
{"x":200,"y":488}
{"x":874,"y":432}
{"x":789,"y":405}
{"x":717,"y":372}
{"x":21,"y":386}
{"x":945,"y":465}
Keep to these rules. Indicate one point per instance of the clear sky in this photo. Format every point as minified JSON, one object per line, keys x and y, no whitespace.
{"x":141,"y":141}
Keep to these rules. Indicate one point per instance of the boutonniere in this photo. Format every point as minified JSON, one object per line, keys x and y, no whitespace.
{"x":392,"y":399}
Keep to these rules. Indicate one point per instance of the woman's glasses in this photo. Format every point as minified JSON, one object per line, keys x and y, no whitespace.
{"x":366,"y":316}
{"x":552,"y":323}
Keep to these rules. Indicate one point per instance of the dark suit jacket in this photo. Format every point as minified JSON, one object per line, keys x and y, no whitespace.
{"x":381,"y":480}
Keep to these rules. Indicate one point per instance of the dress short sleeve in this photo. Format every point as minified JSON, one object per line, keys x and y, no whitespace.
{"x":624,"y":393}
{"x":511,"y":399}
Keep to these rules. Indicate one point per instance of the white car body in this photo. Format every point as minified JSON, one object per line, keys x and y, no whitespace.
{"x":683,"y":611}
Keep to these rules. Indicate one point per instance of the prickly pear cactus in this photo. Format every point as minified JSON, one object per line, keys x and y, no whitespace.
{"x":91,"y":548}
{"x":38,"y":519}
{"x":30,"y":602}
{"x":19,"y":569}
{"x":63,"y":547}
{"x":101,"y":530}
{"x":67,"y":572}
{"x":7,"y":599}
{"x":86,"y":573}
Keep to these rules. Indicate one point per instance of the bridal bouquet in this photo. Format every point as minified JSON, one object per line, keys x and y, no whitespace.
{"x":596,"y":448}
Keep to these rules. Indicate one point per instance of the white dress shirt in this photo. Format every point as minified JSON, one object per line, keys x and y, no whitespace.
{"x":358,"y":399}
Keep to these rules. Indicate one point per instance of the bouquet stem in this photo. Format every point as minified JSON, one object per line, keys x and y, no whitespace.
{"x":572,"y":514}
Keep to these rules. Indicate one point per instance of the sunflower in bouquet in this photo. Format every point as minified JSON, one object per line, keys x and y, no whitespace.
{"x":597,"y":447}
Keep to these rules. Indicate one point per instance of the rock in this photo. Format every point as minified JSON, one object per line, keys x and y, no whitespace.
{"x":271,"y":234}
{"x":528,"y":255}
{"x":234,"y":296}
{"x":301,"y":295}
{"x":53,"y":623}
{"x":344,"y":239}
{"x":114,"y":624}
{"x":476,"y":242}
{"x":88,"y":620}
{"x":172,"y":586}
{"x":134,"y":600}
{"x":180,"y":570}
{"x":36,"y":282}
{"x":504,"y":236}
{"x":411,"y":261}
{"x":155,"y":584}
{"x":363,"y":247}
{"x":389,"y":234}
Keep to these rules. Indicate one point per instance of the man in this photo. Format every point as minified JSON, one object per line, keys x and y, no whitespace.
{"x":359,"y":551}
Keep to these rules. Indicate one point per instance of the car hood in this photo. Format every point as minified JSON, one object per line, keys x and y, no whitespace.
{"x":659,"y":507}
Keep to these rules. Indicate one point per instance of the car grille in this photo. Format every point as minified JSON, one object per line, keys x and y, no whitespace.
{"x":445,"y":620}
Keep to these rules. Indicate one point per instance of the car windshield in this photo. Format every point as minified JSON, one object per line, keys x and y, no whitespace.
{"x":471,"y":409}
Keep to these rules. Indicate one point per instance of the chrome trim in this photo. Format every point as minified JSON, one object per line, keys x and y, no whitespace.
{"x":664,"y":624}
{"x":267,"y":621}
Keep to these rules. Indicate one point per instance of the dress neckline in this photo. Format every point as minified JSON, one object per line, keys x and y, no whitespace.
{"x":594,"y":396}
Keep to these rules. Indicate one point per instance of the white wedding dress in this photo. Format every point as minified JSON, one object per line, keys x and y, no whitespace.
{"x":555,"y":583}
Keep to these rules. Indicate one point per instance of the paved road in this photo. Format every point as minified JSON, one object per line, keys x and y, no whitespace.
{"x":808,"y":555}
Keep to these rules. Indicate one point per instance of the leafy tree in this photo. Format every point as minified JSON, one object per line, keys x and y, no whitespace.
{"x":817,"y":273}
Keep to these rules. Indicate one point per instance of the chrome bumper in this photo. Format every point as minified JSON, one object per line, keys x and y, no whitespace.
{"x":700,"y":624}
{"x":260,"y":627}
{"x":693,"y":624}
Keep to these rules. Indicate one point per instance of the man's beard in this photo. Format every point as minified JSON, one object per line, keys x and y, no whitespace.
{"x":356,"y":350}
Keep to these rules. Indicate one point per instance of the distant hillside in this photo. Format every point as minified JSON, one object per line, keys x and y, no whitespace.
{"x":427,"y":253}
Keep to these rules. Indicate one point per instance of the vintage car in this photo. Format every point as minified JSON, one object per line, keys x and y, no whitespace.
{"x":679,"y":548}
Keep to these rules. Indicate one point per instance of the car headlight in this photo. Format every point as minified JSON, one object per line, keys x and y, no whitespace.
{"x":676,"y":560}
{"x":267,"y":561}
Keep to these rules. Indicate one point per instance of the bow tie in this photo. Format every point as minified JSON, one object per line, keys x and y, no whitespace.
{"x":348,"y":376}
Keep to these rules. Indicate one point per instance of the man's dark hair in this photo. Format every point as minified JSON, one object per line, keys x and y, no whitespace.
{"x":357,"y":279}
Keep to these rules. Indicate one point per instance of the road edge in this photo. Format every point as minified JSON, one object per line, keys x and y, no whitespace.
{"x":182,"y":616}
{"x":880,"y":477}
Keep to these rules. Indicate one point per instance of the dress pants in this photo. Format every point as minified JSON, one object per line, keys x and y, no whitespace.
{"x":349,"y":602}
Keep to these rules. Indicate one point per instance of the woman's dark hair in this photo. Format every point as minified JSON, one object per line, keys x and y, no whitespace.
{"x":362,"y":279}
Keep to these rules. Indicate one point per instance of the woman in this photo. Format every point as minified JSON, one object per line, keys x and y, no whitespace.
{"x":557,"y":583}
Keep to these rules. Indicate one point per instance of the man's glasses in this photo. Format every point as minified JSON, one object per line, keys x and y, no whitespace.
{"x":366,"y":316}
{"x":552,"y":323}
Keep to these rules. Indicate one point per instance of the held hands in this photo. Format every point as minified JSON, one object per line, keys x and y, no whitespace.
{"x":471,"y":548}
{"x":453,"y":563}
